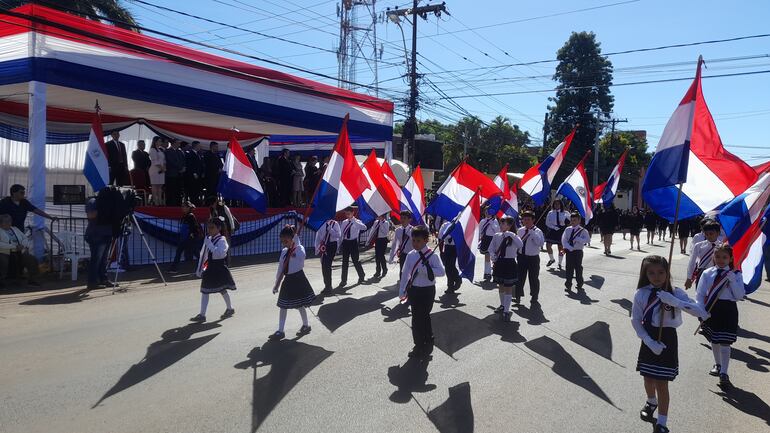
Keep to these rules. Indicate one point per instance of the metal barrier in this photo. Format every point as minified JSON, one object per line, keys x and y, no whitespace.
{"x":267,"y":243}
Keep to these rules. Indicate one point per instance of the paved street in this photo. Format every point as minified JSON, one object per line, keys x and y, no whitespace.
{"x":131,"y":362}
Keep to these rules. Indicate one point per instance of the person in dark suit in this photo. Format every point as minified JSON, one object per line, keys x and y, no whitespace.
{"x":311,"y":177}
{"x":213,"y":167}
{"x":283,"y":173}
{"x":175,"y":169}
{"x":193,"y":175}
{"x":117,"y":160}
{"x":140,"y":175}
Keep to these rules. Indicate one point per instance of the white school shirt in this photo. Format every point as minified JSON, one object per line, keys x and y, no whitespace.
{"x":416,"y":271}
{"x":400,"y":238}
{"x":444,"y":234}
{"x":532,"y":240}
{"x":351,"y":228}
{"x":700,"y":237}
{"x":556,"y":219}
{"x":296,"y":260}
{"x":217,"y":245}
{"x":328,"y":232}
{"x":510,"y":251}
{"x":641,"y":299}
{"x":379,"y":230}
{"x":579,"y":235}
{"x":702,"y":257}
{"x":488,"y":226}
{"x":733,"y":289}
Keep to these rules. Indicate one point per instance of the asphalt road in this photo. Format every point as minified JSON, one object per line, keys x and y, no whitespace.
{"x":131,"y":362}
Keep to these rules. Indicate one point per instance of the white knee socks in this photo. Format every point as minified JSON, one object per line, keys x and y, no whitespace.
{"x":226,"y":296}
{"x":282,"y":319}
{"x":303,"y":314}
{"x":550,"y":255}
{"x":487,"y":267}
{"x":502,"y":298}
{"x":716,"y":350}
{"x":507,"y":302}
{"x":725,"y":358}
{"x":561,"y":258}
{"x":204,"y":303}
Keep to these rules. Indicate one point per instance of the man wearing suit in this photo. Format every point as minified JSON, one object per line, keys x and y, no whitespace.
{"x":117,"y":160}
{"x":175,"y":169}
{"x":194,"y":173}
{"x":213,"y":164}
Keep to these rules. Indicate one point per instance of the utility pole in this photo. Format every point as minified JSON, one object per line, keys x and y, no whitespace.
{"x":543,"y":153}
{"x":599,"y":121}
{"x":410,"y":126}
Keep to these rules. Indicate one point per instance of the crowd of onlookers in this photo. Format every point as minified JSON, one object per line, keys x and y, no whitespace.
{"x":173,"y":171}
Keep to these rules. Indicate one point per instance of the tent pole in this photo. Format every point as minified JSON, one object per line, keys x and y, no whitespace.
{"x":37,"y":174}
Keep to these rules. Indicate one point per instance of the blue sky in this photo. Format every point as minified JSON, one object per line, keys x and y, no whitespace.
{"x":517,"y":32}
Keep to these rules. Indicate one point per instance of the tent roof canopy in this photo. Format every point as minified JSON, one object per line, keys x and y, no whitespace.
{"x":173,"y":89}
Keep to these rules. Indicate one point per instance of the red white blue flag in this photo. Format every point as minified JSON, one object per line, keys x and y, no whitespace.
{"x":459,"y":187}
{"x":95,"y":169}
{"x":239,"y":181}
{"x":342,"y":182}
{"x":413,"y":196}
{"x":465,"y":233}
{"x":604,"y":193}
{"x":690,"y":153}
{"x":380,"y":198}
{"x":577,"y":190}
{"x":537,"y":180}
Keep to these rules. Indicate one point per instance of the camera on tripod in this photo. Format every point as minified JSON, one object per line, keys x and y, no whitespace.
{"x":114,"y":204}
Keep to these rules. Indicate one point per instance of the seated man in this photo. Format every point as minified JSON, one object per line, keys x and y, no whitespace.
{"x":13,"y":242}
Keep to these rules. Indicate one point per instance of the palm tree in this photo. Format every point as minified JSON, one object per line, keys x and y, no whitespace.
{"x":92,"y":9}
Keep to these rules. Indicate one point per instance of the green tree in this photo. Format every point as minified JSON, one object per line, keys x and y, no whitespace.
{"x":583,"y":76}
{"x":610,"y":149}
{"x":112,"y":9}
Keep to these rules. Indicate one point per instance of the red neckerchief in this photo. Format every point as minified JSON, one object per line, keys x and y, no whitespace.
{"x":289,"y":252}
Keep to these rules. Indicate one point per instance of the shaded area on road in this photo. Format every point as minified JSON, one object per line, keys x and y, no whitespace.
{"x":455,"y":329}
{"x":409,"y":378}
{"x":596,"y":338}
{"x":288,"y":361}
{"x":595,"y":281}
{"x":59,"y":298}
{"x":624,"y":304}
{"x":565,"y":365}
{"x":455,"y":415}
{"x":335,"y":315}
{"x":175,"y":344}
{"x":746,"y":402}
{"x":534,"y":314}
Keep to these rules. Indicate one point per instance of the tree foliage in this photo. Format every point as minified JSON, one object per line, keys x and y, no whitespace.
{"x":112,"y":9}
{"x":583,"y":76}
{"x":610,"y":149}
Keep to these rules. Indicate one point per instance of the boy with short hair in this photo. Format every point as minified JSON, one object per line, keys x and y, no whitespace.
{"x":418,"y":285}
{"x":379,"y":239}
{"x":351,"y":227}
{"x":532,"y":239}
{"x":702,"y":256}
{"x":448,"y":250}
{"x":402,"y":242}
{"x":573,"y":240}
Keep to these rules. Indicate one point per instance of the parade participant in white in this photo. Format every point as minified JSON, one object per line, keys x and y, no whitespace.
{"x":402,"y":241}
{"x":327,"y":240}
{"x":702,"y":256}
{"x":351,"y":227}
{"x":529,"y":257}
{"x":503,"y":250}
{"x":487,"y":228}
{"x":574,"y":240}
{"x":212,"y":269}
{"x":295,"y":289}
{"x":379,"y":238}
{"x":556,"y":221}
{"x":448,"y":250}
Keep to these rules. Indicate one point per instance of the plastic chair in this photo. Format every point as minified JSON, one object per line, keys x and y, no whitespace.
{"x":69,"y":241}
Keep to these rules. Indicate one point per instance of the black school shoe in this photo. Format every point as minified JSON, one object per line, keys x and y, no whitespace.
{"x":660,"y":429}
{"x":724,"y":382}
{"x":567,"y":287}
{"x":228,"y":313}
{"x":646,"y":414}
{"x":277,"y":336}
{"x":715,"y":370}
{"x":200,"y":318}
{"x":304,"y":330}
{"x":550,"y":262}
{"x":499,"y":309}
{"x":507,"y":317}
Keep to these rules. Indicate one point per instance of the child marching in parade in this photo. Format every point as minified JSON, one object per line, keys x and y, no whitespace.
{"x":215,"y":277}
{"x":418,"y":285}
{"x":448,"y":250}
{"x":402,"y":241}
{"x":532,"y":240}
{"x":351,"y":227}
{"x":326,"y":241}
{"x":574,"y":240}
{"x":379,"y":238}
{"x":503,"y":249}
{"x":702,"y":256}
{"x":295,"y":290}
{"x":655,"y":315}
{"x":556,"y":221}
{"x":487,"y":228}
{"x":719,"y":289}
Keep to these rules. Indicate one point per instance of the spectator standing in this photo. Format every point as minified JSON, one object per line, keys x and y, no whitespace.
{"x":213,"y":167}
{"x":157,"y":171}
{"x":17,"y":206}
{"x":283,"y":174}
{"x":194,"y":173}
{"x":175,"y":168}
{"x":311,"y":177}
{"x":142,"y":162}
{"x":117,"y":160}
{"x":297,"y":187}
{"x":98,"y":236}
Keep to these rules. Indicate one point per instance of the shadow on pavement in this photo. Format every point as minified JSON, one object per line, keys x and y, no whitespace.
{"x":746,"y":402}
{"x":745,"y":333}
{"x":582,"y":296}
{"x":624,"y":304}
{"x":455,"y":415}
{"x":763,"y":353}
{"x":595,"y":281}
{"x":508,"y":331}
{"x":175,"y":344}
{"x":751,"y":361}
{"x":534,"y":314}
{"x":455,"y":329}
{"x":409,"y":378}
{"x":336,"y":314}
{"x":400,"y":311}
{"x":565,"y":365}
{"x":61,"y":298}
{"x":450,"y":300}
{"x":755,"y":301}
{"x":596,"y":338}
{"x":287,"y":362}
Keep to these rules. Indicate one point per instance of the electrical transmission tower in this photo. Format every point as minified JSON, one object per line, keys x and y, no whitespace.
{"x":358,"y":42}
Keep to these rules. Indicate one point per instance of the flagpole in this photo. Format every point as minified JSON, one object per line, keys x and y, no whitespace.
{"x":670,"y":255}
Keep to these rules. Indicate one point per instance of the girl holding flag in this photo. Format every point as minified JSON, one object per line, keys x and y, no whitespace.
{"x":655,"y":315}
{"x":215,"y":277}
{"x":719,"y":289}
